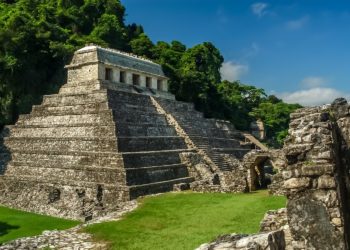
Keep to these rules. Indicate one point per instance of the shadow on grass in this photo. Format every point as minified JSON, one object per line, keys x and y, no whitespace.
{"x":6,"y":228}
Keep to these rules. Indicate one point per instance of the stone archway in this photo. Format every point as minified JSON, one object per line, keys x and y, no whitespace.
{"x":259,"y":166}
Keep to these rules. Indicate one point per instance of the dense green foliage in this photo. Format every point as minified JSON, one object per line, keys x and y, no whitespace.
{"x":275,"y":115}
{"x":186,"y":220}
{"x":15,"y":224}
{"x":37,"y":37}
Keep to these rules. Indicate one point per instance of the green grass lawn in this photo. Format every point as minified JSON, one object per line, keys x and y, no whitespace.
{"x":178,"y":221}
{"x":15,"y":224}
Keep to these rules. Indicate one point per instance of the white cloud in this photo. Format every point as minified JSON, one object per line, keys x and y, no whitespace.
{"x":297,"y":23}
{"x":313,"y":82}
{"x":232,"y":71}
{"x":259,"y":9}
{"x":313,"y":96}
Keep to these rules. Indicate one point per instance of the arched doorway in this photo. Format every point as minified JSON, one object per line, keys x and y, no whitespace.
{"x":260,"y":169}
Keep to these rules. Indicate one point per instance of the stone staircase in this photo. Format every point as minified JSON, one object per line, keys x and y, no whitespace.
{"x":149,"y":146}
{"x":214,"y":137}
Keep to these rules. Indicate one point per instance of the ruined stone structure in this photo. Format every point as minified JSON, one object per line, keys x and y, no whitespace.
{"x":112,"y":133}
{"x":315,"y":177}
{"x":258,"y":129}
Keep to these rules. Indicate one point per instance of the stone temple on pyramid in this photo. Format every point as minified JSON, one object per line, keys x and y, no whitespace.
{"x":113,"y":133}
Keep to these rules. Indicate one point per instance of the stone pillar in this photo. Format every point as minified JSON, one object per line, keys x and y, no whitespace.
{"x":101,"y":71}
{"x":128,"y":77}
{"x":154,"y":83}
{"x":311,"y":182}
{"x":142,"y":80}
{"x":165,"y":85}
{"x":116,"y":75}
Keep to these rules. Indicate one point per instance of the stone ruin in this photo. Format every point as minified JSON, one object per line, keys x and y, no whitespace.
{"x":114,"y":133}
{"x":315,"y":177}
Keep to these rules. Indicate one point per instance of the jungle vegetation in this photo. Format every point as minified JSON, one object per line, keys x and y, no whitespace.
{"x":38,"y":37}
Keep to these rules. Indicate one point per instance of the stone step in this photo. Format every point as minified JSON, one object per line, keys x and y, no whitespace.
{"x":157,"y":187}
{"x":61,"y":182}
{"x":97,"y":175}
{"x":130,"y":98}
{"x":237,"y":152}
{"x":45,"y":110}
{"x":132,"y":144}
{"x":82,"y":83}
{"x":140,"y":118}
{"x":132,"y":108}
{"x":211,"y":132}
{"x":102,"y":117}
{"x":89,"y":167}
{"x":59,"y":158}
{"x":152,"y":158}
{"x":82,"y":87}
{"x":172,"y":105}
{"x":146,"y":129}
{"x":96,"y":144}
{"x":185,"y":116}
{"x":75,"y":130}
{"x":75,"y":99}
{"x":138,"y":176}
{"x":216,"y":142}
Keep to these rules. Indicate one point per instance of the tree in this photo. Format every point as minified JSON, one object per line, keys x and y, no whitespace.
{"x":199,"y":69}
{"x":142,"y":46}
{"x":238,"y":100}
{"x":37,"y":37}
{"x":276,"y":118}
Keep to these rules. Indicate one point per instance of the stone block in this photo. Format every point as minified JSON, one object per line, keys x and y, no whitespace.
{"x":297,"y":183}
{"x":270,"y":241}
{"x":315,"y":169}
{"x":326,"y":181}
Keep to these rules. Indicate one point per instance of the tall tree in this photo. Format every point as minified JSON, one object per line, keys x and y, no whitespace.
{"x":275,"y":115}
{"x":142,"y":46}
{"x":200,"y":68}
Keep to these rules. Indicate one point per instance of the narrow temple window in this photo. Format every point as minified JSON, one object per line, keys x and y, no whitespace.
{"x":148,"y":82}
{"x":108,"y":74}
{"x":122,"y":76}
{"x":136,"y":79}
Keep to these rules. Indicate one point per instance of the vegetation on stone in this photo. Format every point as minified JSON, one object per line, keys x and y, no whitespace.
{"x":186,"y":220}
{"x":15,"y":224}
{"x":38,"y":37}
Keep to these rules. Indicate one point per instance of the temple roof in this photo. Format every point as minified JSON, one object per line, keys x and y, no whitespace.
{"x":117,"y":58}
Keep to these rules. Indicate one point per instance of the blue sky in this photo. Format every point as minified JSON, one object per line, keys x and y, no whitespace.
{"x":297,"y":50}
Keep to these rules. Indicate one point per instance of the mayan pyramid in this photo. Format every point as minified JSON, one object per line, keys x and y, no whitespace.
{"x":112,"y":133}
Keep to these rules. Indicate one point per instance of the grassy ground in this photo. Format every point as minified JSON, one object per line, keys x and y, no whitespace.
{"x":15,"y":224}
{"x":185,"y":220}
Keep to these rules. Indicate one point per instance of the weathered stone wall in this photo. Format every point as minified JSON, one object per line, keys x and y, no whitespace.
{"x":315,"y":177}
